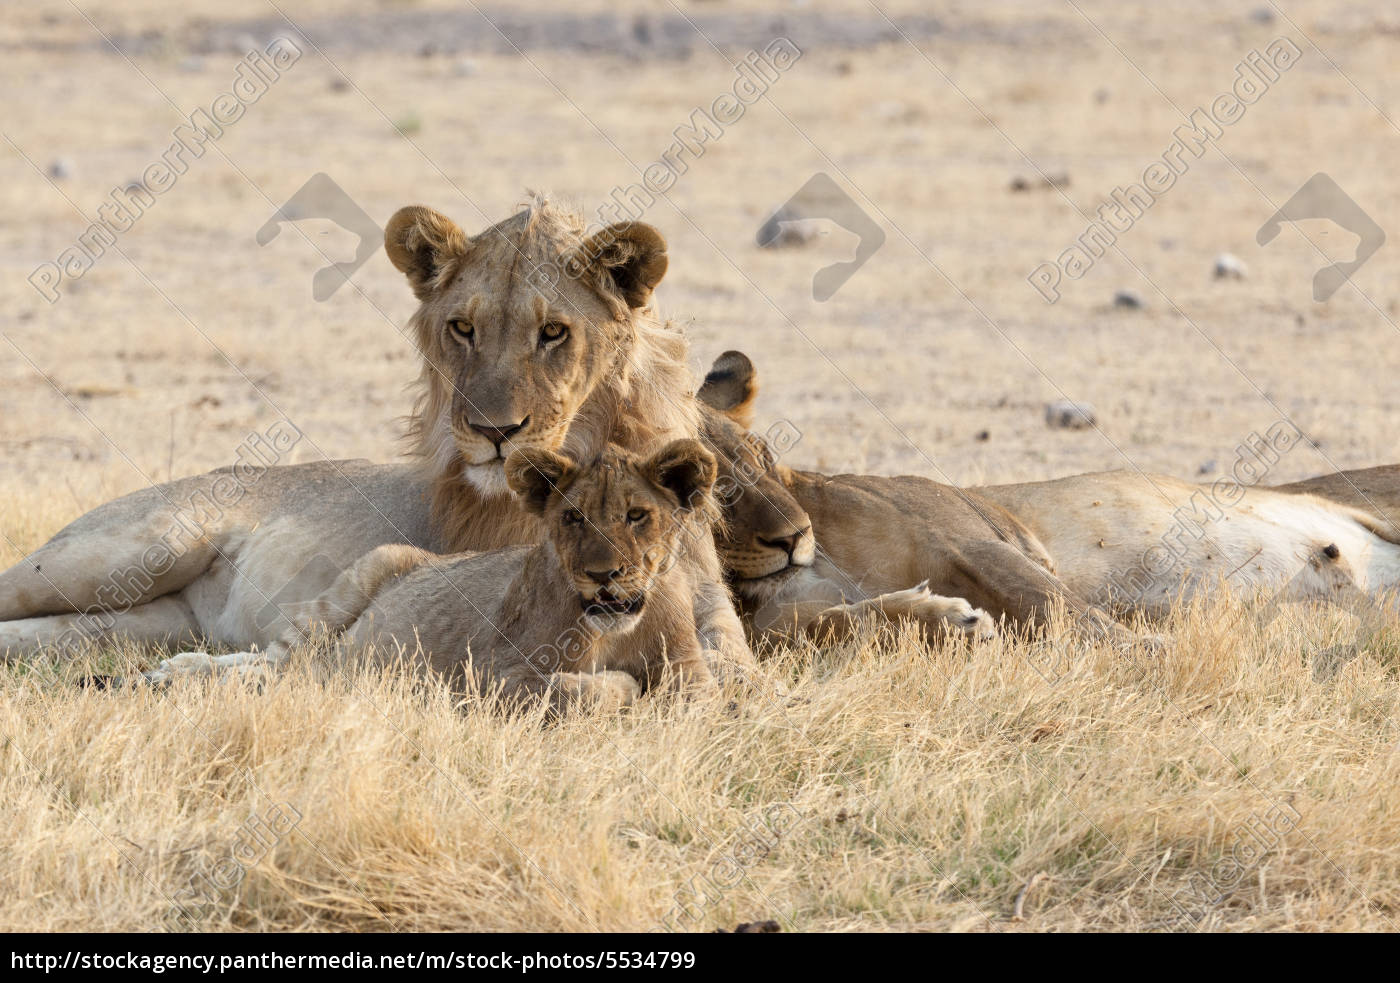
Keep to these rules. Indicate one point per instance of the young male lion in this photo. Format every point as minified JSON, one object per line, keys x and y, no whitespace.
{"x":509,"y":361}
{"x":597,"y":613}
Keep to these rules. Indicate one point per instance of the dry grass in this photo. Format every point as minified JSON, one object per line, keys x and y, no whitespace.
{"x":896,"y":786}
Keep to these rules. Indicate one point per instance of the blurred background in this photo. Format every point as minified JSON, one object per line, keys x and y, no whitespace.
{"x":976,"y":140}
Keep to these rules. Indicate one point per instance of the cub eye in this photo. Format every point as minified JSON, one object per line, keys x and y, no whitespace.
{"x":636,"y":515}
{"x":461,"y":330}
{"x":573,"y":517}
{"x":552,"y":332}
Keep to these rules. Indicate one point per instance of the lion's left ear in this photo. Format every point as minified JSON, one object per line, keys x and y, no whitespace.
{"x":731,"y":387}
{"x":423,"y":244}
{"x":685,"y":468}
{"x":632,"y":258}
{"x":535,"y":474}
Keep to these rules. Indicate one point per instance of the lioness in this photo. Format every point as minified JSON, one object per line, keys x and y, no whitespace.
{"x":1375,"y":490}
{"x":766,"y":542}
{"x":593,"y":615}
{"x":505,"y":366}
{"x":1111,"y":542}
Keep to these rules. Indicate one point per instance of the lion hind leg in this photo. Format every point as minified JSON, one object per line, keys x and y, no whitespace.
{"x":165,"y":622}
{"x":103,"y":560}
{"x":601,"y":691}
{"x":341,"y":604}
{"x":337,"y":607}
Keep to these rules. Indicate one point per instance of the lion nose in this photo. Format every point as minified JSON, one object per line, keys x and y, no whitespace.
{"x":499,"y":435}
{"x":786,"y":543}
{"x":602,"y":576}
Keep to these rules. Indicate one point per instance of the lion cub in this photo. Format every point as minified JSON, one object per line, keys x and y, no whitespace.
{"x":591,"y":617}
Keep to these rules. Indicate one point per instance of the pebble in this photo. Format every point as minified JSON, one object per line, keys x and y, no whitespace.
{"x":1051,"y":179}
{"x":784,"y":230}
{"x":1229,"y":267}
{"x":1065,"y":414}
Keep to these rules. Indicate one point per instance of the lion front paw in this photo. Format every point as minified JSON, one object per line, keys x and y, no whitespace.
{"x":976,"y":624}
{"x":595,"y":691}
{"x":955,"y":612}
{"x":183,"y":665}
{"x":186,"y":665}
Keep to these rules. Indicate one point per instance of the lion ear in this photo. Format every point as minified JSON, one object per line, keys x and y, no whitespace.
{"x":731,"y":387}
{"x":423,"y":244}
{"x":630,"y":257}
{"x":535,"y":474}
{"x":685,"y":468}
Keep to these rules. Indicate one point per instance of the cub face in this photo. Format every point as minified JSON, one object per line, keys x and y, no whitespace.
{"x":617,"y":523}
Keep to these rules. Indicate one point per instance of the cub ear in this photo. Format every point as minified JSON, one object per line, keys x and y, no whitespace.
{"x":731,"y":387}
{"x":629,"y":257}
{"x":423,"y":244}
{"x":685,"y":468}
{"x":534,"y":474}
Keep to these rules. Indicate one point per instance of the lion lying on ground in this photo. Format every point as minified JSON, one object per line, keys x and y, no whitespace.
{"x":594,"y":615}
{"x":766,"y":536}
{"x":1102,"y":544}
{"x":531,"y":336}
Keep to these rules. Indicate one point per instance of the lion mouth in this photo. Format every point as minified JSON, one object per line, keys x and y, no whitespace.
{"x":607,"y":602}
{"x":766,"y":585}
{"x":770,"y":578}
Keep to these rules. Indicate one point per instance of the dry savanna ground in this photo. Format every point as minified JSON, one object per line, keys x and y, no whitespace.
{"x":1240,"y":779}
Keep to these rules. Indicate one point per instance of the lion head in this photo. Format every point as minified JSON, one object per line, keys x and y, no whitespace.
{"x":765,"y":535}
{"x":535,"y":336}
{"x":618,"y":523}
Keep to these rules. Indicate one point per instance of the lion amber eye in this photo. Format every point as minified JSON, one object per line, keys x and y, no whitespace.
{"x":552,"y":332}
{"x":461,"y":330}
{"x":573,"y":517}
{"x":636,"y":515}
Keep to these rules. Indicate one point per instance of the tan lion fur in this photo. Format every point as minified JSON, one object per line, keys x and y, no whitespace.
{"x":1086,"y":541}
{"x":528,"y":622}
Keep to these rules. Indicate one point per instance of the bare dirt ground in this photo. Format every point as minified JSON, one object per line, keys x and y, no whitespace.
{"x":930,"y":786}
